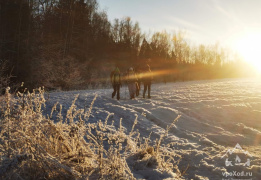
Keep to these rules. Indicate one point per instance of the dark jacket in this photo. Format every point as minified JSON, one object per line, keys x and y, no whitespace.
{"x":116,"y":77}
{"x":147,"y":74}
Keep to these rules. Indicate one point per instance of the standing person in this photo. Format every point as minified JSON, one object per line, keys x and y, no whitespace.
{"x":147,"y":78}
{"x":131,"y":80}
{"x":116,"y":82}
{"x":138,"y":75}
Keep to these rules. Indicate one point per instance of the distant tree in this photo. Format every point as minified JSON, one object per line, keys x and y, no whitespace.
{"x":127,"y":38}
{"x":179,"y":45}
{"x":15,"y":27}
{"x":40,"y":34}
{"x":160,"y":45}
{"x":145,"y":50}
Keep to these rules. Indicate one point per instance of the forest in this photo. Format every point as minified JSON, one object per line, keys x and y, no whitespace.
{"x":71,"y":44}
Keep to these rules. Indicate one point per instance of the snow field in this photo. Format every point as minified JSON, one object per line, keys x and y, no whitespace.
{"x":215,"y":116}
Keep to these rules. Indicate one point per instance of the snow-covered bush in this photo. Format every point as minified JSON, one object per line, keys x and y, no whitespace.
{"x":32,"y":146}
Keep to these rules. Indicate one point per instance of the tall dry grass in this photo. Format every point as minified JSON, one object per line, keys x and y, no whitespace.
{"x":5,"y":78}
{"x":32,"y":146}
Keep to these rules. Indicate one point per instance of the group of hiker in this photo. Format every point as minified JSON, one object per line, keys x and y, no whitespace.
{"x":133,"y":78}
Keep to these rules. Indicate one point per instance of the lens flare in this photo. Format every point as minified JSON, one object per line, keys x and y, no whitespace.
{"x":249,"y":48}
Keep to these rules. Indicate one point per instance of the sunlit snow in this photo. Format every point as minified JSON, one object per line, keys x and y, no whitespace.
{"x":216,"y":115}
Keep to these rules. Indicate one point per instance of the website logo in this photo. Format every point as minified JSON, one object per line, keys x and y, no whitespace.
{"x":234,"y":158}
{"x":237,"y":161}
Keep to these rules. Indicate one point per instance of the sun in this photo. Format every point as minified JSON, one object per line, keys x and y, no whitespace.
{"x":249,"y":47}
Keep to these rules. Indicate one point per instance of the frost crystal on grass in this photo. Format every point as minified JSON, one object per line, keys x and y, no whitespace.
{"x":32,"y":146}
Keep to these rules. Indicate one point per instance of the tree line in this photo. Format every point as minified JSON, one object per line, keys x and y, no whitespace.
{"x":71,"y":44}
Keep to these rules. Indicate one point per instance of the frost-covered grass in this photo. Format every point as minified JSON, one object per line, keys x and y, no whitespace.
{"x":215,"y":116}
{"x":34,"y":145}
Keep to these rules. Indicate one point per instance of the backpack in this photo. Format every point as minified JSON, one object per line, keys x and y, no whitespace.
{"x":115,"y":77}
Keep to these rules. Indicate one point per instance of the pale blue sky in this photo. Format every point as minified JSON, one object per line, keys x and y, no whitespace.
{"x":205,"y":21}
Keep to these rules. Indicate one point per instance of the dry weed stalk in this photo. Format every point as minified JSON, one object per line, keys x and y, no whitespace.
{"x":32,"y":146}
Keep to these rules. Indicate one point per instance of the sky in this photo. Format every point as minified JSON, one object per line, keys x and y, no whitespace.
{"x":205,"y":21}
{"x":234,"y":24}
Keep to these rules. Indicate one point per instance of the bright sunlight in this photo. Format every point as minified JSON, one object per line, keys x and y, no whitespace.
{"x":249,"y":48}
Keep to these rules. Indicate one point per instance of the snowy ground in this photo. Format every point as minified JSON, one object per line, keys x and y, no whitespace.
{"x":215,"y":117}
